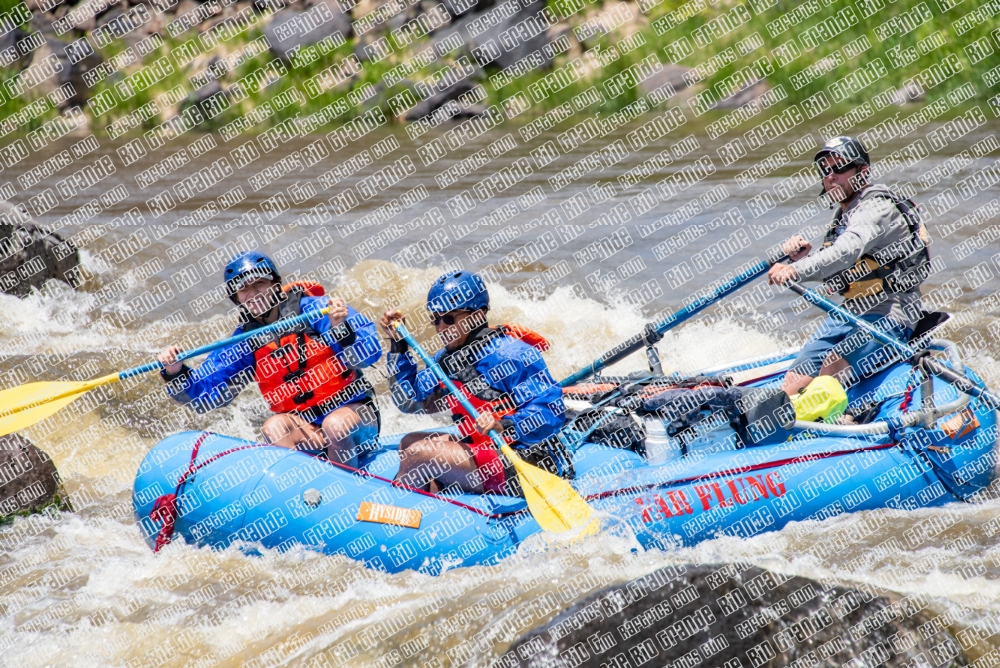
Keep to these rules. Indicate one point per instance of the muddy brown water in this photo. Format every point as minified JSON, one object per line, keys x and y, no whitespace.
{"x":580,"y":265}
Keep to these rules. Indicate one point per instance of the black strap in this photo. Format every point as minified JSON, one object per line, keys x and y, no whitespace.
{"x":884,"y":269}
{"x":344,"y":334}
{"x":300,"y":339}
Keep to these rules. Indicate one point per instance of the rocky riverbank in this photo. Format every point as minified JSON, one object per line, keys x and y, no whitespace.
{"x":163,"y":67}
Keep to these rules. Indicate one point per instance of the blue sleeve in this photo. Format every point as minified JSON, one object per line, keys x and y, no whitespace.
{"x":540,"y":410}
{"x":410,"y":387}
{"x":357,"y":346}
{"x":214,"y":384}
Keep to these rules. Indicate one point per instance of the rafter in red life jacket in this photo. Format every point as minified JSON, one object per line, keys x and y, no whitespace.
{"x":533,"y":339}
{"x":297,"y":370}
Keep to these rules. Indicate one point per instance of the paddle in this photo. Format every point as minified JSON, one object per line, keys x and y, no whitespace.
{"x":654,"y":331}
{"x":552,"y":501}
{"x":25,"y":405}
{"x":960,"y":382}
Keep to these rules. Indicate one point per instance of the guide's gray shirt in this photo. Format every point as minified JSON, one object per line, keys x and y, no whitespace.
{"x":869,"y":225}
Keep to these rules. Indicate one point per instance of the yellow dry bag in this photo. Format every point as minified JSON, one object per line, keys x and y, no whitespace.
{"x":823,"y":399}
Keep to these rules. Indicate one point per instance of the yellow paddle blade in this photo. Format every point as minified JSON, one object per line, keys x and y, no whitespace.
{"x":12,"y":422}
{"x":25,"y":405}
{"x":20,"y":398}
{"x":552,"y":501}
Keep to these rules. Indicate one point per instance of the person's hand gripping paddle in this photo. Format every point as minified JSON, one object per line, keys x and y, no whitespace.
{"x":553,"y":502}
{"x":23,"y":406}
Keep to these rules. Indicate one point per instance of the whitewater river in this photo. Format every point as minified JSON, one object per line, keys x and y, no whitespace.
{"x":83,"y":589}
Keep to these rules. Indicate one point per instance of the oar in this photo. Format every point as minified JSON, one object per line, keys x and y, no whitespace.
{"x":552,"y":501}
{"x":959,"y":381}
{"x":656,"y":330}
{"x":25,"y":405}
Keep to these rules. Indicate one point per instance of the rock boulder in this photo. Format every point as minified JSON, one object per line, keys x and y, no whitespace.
{"x":53,"y":65}
{"x":10,"y":56}
{"x":29,"y":255}
{"x":666,"y":81}
{"x":292,"y":29}
{"x":428,"y":106}
{"x":737,"y":615}
{"x":488,"y":47}
{"x":210,"y":100}
{"x":745,"y":96}
{"x":28,"y":478}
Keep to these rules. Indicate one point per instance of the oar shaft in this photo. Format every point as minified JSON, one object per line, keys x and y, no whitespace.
{"x":960,"y":382}
{"x":638,"y":342}
{"x":844,"y":315}
{"x":439,"y":372}
{"x":154,"y":365}
{"x":239,"y":338}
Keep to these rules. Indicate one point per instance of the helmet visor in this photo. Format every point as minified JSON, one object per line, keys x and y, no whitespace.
{"x":825,"y":169}
{"x":249,"y":277}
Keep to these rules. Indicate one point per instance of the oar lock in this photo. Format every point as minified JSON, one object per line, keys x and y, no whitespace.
{"x":650,"y":335}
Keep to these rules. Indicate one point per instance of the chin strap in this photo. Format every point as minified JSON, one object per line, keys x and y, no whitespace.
{"x":247,"y":317}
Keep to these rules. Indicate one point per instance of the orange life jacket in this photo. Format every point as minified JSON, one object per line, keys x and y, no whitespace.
{"x":309,"y":288}
{"x":482,"y":396}
{"x":296,"y":369}
{"x":533,"y":339}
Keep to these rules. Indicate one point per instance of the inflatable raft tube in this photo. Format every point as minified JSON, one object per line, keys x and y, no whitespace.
{"x":244,"y":492}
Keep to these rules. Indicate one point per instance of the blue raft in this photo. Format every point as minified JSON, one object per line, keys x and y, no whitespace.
{"x":928,"y":455}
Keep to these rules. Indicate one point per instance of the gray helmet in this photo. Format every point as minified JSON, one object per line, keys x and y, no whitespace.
{"x":848,"y":148}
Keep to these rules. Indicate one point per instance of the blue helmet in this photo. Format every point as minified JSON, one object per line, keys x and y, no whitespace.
{"x":247,"y":267}
{"x":458,"y":290}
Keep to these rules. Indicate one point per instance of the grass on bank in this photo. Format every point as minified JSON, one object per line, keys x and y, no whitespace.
{"x":733,"y":42}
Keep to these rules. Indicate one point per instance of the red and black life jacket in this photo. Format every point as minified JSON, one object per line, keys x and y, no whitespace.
{"x":460,"y":367}
{"x":296,"y":369}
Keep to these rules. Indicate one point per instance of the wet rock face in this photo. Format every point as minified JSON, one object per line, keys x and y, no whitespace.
{"x":54,"y":65}
{"x":494,"y":42}
{"x":737,"y":616}
{"x":292,"y":29}
{"x":28,"y":478}
{"x":29,"y":255}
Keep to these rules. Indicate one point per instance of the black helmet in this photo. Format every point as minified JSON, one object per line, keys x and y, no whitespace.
{"x":848,"y":148}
